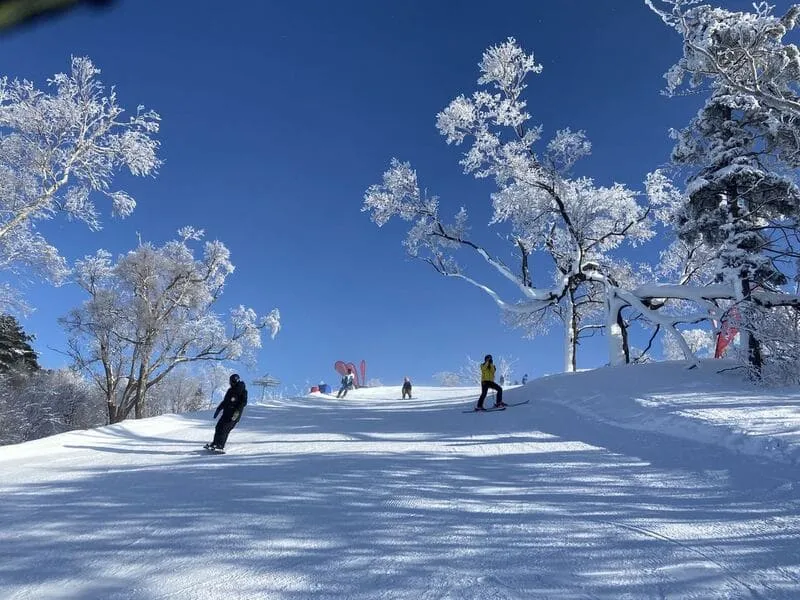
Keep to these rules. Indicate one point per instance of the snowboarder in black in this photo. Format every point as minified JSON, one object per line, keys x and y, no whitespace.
{"x":232,"y":407}
{"x":406,"y":388}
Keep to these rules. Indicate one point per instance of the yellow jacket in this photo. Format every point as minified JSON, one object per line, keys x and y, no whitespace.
{"x":487,"y":371}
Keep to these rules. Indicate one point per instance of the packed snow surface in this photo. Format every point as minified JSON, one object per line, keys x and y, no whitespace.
{"x":640,"y":482}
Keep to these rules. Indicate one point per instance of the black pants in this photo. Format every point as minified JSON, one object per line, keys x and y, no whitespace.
{"x":224,"y":427}
{"x":485,"y":387}
{"x":342,"y":391}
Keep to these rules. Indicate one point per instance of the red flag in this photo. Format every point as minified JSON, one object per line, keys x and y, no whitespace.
{"x":341,"y":367}
{"x":727,"y":331}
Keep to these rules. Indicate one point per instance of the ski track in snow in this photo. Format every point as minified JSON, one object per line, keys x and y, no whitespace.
{"x":580,"y":494}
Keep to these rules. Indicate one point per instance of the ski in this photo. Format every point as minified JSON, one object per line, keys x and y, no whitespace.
{"x":517,"y":403}
{"x":493,"y":409}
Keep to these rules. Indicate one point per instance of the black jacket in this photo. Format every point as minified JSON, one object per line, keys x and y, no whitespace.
{"x":233,"y":403}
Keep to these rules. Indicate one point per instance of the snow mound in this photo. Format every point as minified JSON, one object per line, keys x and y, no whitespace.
{"x":714,"y":404}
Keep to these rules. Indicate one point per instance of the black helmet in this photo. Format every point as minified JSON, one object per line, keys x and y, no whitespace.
{"x":235,"y":379}
{"x":487,"y":357}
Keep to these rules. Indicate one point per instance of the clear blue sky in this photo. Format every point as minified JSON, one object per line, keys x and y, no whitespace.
{"x":278,"y":115}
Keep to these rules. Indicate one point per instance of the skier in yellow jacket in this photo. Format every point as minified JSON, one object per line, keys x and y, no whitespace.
{"x":487,"y":383}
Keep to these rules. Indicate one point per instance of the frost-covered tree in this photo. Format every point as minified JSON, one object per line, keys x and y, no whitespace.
{"x":447,"y":379}
{"x":182,"y":390}
{"x":80,"y":403}
{"x":741,"y":151}
{"x":214,"y":379}
{"x":575,"y":222}
{"x":61,"y":148}
{"x":744,"y":52}
{"x":505,"y":368}
{"x":153,"y":310}
{"x":581,"y":314}
{"x":470,"y":372}
{"x":682,"y":261}
{"x":741,"y":197}
{"x":779,"y":341}
{"x":44,"y":403}
{"x":16,"y":353}
{"x":688,"y":261}
{"x":700,"y":341}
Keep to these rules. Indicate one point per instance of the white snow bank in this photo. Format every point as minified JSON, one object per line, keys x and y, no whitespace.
{"x":705,"y":404}
{"x":130,"y":429}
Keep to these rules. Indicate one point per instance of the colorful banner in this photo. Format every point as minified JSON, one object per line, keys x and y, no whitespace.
{"x":729,"y":327}
{"x":341,"y":368}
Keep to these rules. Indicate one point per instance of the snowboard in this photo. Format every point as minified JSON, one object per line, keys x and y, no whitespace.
{"x":213,"y":450}
{"x":492,"y":409}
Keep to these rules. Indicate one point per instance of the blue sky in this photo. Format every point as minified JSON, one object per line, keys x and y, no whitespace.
{"x":278,"y":115}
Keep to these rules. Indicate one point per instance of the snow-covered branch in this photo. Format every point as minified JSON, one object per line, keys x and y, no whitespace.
{"x":58,"y":150}
{"x":743,"y":51}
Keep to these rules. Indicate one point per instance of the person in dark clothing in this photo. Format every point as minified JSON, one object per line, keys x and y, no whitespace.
{"x":487,"y":383}
{"x":231,"y":407}
{"x":406,"y":388}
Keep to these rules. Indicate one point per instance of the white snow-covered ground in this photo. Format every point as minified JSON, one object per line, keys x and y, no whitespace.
{"x":645,"y":482}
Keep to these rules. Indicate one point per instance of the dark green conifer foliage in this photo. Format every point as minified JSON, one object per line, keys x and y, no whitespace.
{"x":16,"y":353}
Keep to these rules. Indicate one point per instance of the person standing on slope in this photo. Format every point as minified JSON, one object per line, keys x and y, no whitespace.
{"x":347,"y":383}
{"x":487,"y":383}
{"x":406,"y":388}
{"x":232,"y":407}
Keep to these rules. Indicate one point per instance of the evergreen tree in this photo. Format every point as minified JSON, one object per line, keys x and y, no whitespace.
{"x":16,"y":352}
{"x":741,"y":199}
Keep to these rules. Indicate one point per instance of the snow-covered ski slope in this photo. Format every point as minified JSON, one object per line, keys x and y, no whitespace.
{"x":647,"y":482}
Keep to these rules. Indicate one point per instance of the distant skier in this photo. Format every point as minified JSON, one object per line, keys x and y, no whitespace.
{"x":487,"y":383}
{"x":232,"y":407}
{"x":502,"y":380}
{"x":406,"y":388}
{"x":525,"y":379}
{"x":347,"y":383}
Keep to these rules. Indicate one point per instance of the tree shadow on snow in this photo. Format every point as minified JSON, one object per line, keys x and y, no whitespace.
{"x":535,"y":502}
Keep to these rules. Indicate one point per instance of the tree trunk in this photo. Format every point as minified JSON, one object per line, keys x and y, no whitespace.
{"x":141,"y":390}
{"x":616,"y":329}
{"x":571,"y":333}
{"x":114,"y":412}
{"x":754,"y":356}
{"x":623,"y":328}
